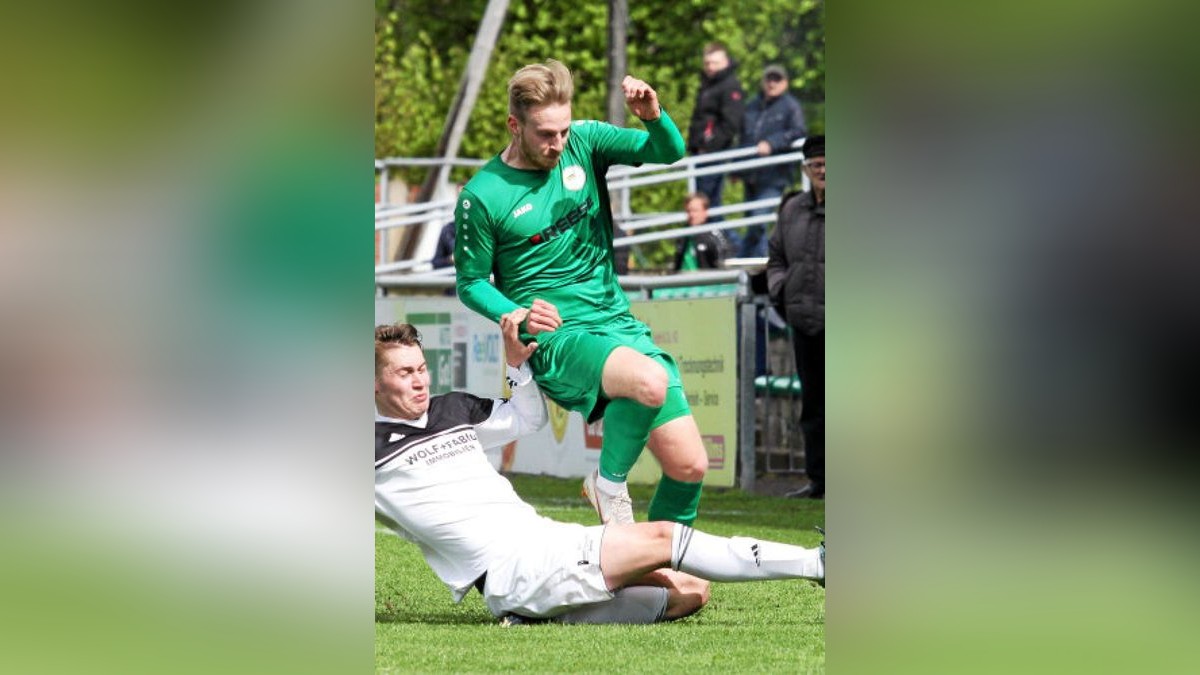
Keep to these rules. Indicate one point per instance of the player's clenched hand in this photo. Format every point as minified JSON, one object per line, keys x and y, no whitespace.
{"x":515,"y":352}
{"x":543,"y":318}
{"x":641,"y":98}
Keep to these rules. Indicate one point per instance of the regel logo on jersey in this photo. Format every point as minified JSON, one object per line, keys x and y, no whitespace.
{"x":522,"y":210}
{"x":563,"y":224}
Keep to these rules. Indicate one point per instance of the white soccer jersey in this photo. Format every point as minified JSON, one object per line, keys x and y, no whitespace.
{"x":434,"y":482}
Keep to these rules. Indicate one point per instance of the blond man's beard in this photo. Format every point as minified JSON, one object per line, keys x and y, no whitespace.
{"x":534,"y":159}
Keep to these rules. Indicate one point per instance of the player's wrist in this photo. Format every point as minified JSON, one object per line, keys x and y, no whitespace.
{"x":657,"y":116}
{"x":519,"y":375}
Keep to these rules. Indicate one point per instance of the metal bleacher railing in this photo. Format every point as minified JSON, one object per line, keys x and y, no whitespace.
{"x":621,"y":181}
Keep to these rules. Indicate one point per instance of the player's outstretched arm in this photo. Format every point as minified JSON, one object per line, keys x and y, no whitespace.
{"x":474,"y":251}
{"x":525,"y":411}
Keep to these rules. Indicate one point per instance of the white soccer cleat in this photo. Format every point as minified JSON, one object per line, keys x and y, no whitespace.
{"x":615,"y":508}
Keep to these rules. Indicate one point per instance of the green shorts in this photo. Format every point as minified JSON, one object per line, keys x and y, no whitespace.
{"x":568,"y":365}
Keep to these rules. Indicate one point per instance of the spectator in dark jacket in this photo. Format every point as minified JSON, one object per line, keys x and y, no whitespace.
{"x":620,"y":255}
{"x":443,"y":255}
{"x":705,"y":251}
{"x":717,"y":117}
{"x":796,"y":281}
{"x":773,"y":121}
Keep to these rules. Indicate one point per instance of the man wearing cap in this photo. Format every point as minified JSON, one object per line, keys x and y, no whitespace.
{"x":796,"y":282}
{"x":773,"y":120}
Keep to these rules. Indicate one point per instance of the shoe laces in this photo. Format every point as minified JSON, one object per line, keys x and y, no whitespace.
{"x":620,"y":508}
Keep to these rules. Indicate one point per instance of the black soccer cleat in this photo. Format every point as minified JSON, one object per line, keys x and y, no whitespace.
{"x":510,"y":620}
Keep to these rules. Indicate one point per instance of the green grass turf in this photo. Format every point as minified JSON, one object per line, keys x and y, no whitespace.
{"x":757,"y":627}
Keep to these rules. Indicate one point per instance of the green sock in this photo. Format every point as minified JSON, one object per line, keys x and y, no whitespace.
{"x":626,"y":430}
{"x":675,"y":500}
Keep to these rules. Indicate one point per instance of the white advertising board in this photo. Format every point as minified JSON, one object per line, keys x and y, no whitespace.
{"x":464,"y":353}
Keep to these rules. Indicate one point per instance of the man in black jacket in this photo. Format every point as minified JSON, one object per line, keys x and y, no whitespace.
{"x":796,"y":281}
{"x":773,"y":120}
{"x":443,"y":255}
{"x":717,"y":117}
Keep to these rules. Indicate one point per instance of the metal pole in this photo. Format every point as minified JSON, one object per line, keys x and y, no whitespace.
{"x":385,"y":237}
{"x":618,"y":25}
{"x":468,"y":91}
{"x":746,"y":417}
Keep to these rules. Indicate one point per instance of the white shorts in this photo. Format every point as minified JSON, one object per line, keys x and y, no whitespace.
{"x":550,"y":574}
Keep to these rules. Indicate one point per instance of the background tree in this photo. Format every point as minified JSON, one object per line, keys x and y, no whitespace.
{"x":421,"y":47}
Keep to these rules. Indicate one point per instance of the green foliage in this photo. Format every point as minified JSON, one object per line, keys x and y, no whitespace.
{"x":422,"y":46}
{"x":757,"y":627}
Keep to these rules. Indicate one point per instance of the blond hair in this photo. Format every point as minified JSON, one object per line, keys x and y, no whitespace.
{"x":539,"y":84}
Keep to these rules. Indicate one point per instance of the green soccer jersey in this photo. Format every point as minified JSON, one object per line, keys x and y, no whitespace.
{"x":548,"y":234}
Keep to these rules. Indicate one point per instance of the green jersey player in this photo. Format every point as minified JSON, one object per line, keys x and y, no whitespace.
{"x":537,"y":219}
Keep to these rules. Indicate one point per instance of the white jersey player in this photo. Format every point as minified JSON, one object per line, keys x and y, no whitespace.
{"x":436,"y":488}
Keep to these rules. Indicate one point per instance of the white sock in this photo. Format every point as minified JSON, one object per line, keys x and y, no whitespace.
{"x":741,"y":558}
{"x":609,"y":487}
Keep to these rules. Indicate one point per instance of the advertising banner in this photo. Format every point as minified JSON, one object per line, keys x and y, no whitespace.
{"x":464,"y":352}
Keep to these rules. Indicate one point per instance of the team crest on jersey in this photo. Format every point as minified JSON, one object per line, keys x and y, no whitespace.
{"x":574,"y":177}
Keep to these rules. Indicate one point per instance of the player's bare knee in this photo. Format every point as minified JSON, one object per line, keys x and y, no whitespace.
{"x":657,"y":536}
{"x":661,"y":531}
{"x":689,"y":469}
{"x":652,"y":386}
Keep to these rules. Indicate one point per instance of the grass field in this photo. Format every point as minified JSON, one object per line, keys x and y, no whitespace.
{"x":759,"y":627}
